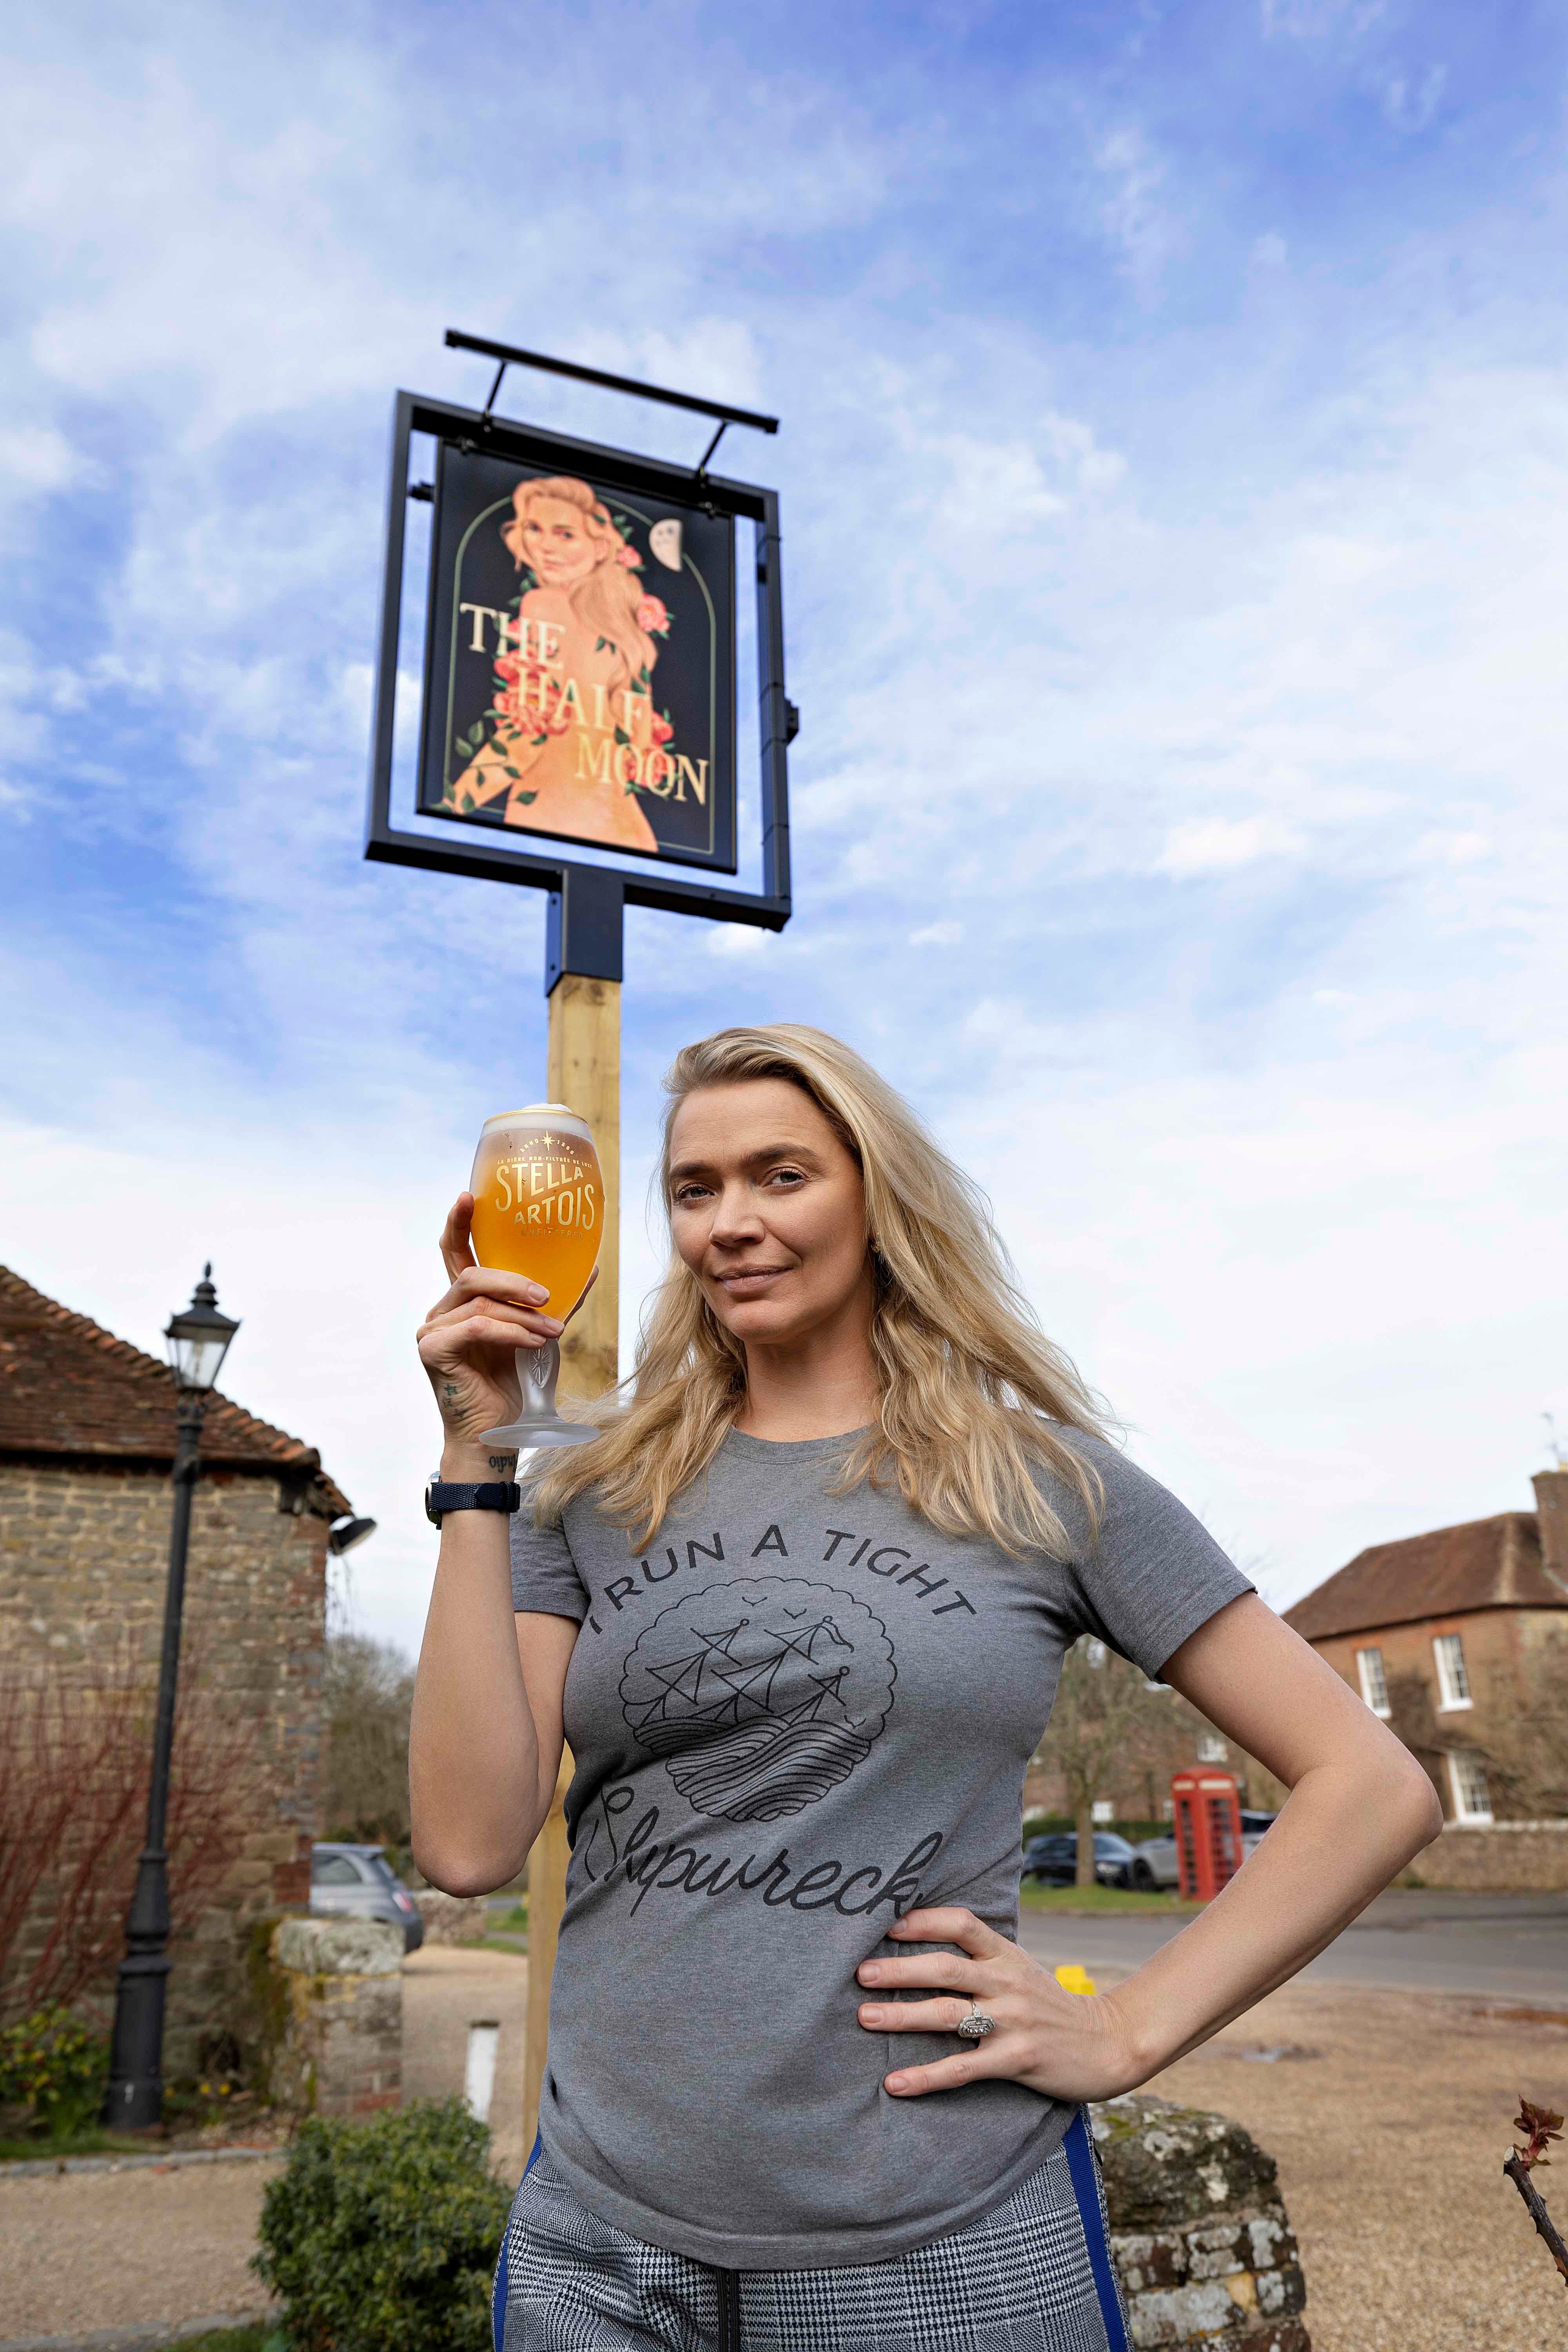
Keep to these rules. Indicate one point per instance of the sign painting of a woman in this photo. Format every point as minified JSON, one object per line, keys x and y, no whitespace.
{"x":574,"y":735}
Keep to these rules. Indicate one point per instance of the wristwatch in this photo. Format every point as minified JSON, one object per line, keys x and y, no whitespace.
{"x":498,"y":1497}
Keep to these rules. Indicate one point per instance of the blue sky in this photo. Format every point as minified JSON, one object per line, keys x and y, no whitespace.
{"x":1175,"y":480}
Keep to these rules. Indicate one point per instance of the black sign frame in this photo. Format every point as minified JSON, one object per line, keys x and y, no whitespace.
{"x":585,"y":899}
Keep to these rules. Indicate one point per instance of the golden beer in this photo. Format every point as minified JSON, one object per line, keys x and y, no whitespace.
{"x":539,"y":1199}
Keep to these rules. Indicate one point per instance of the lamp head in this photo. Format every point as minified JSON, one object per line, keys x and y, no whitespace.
{"x":198,"y":1337}
{"x":345,"y":1534}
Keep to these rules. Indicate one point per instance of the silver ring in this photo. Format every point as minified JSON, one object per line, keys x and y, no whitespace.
{"x":976,"y":2025}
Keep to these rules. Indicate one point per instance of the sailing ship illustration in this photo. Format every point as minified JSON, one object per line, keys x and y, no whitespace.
{"x":759,"y":1697}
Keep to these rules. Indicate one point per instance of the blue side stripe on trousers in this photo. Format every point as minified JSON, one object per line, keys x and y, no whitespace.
{"x":499,"y":2290}
{"x":1080,"y":2151}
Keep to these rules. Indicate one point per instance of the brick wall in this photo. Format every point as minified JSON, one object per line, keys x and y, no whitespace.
{"x":1499,"y":1647}
{"x":83,"y":1567}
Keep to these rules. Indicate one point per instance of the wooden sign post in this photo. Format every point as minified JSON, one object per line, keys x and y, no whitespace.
{"x":583,"y":1070}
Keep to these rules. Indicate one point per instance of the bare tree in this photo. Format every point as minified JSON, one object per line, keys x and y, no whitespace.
{"x":1523,"y":1737}
{"x":1101,"y":1725}
{"x":367,"y":1693}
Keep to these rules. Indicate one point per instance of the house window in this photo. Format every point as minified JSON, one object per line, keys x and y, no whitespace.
{"x":1210,"y":1748}
{"x":1103,"y":1811}
{"x":1452,"y":1682}
{"x":1373,"y":1681}
{"x":1467,"y":1779}
{"x":1094,"y":1652}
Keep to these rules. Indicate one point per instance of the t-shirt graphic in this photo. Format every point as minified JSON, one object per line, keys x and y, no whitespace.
{"x":760,"y":1696}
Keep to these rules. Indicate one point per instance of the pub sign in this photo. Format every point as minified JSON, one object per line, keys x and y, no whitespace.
{"x":580,"y":666}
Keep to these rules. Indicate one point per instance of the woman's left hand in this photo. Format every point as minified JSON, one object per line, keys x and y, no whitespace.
{"x":1066,"y":2045}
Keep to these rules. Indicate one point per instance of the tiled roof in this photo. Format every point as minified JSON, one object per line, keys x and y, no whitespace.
{"x":1485,"y":1564}
{"x":67,"y":1386}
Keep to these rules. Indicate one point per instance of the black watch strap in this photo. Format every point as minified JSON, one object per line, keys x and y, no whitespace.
{"x":441,"y":1498}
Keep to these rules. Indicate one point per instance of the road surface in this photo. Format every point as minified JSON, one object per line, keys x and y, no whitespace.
{"x":1499,"y":1946}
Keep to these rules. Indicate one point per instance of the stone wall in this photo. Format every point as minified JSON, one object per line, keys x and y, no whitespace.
{"x":1198,"y":2233}
{"x":452,"y":1918}
{"x":336,"y":2046}
{"x":83,"y":1567}
{"x":1508,"y":1857}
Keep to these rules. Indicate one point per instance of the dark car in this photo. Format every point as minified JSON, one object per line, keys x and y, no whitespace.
{"x":1054,"y":1858}
{"x":357,"y":1881}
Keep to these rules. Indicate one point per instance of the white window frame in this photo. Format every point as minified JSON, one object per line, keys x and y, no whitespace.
{"x":1453,"y":1692}
{"x":1102,"y":1813}
{"x":1463,"y":1811}
{"x":1212,"y":1749}
{"x":1373,"y":1678}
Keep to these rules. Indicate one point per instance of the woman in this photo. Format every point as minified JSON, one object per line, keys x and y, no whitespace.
{"x":575,"y":730}
{"x":801,"y":1608}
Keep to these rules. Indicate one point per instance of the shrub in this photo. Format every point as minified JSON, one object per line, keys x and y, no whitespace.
{"x":50,"y":2064}
{"x":385,"y":2232}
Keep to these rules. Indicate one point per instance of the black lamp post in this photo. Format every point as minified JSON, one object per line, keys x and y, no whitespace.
{"x":198,"y":1341}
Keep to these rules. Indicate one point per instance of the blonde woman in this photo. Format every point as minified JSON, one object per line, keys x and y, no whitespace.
{"x":576,"y":726}
{"x":800,"y":1610}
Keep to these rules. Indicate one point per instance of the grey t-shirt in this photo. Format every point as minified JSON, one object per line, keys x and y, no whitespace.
{"x":793,"y":1718}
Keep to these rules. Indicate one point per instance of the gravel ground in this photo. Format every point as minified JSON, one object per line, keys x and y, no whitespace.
{"x":446,"y":1988}
{"x":1390,"y":2145}
{"x":105,"y":2248}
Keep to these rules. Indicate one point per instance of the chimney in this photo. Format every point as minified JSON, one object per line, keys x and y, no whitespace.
{"x":1552,"y":1506}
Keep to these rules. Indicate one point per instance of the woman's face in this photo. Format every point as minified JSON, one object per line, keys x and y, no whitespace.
{"x":768,"y":1210}
{"x":554,"y":539}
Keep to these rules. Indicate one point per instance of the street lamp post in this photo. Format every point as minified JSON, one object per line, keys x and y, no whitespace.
{"x":198,"y":1340}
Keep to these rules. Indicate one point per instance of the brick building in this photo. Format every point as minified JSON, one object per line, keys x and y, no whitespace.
{"x":1458,"y":1639}
{"x":87,"y":1442}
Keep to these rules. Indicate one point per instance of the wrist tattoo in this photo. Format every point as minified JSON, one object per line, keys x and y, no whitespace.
{"x":503,"y":1462}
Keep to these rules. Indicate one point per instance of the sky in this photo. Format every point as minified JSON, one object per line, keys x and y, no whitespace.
{"x":1173,"y":473}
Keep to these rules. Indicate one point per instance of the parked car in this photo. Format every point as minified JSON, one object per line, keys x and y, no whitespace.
{"x":357,"y":1881}
{"x":1154,"y":1860}
{"x":1053,"y":1858}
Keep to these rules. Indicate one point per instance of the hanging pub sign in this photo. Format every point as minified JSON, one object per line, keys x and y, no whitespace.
{"x":578,"y":688}
{"x":580,"y":673}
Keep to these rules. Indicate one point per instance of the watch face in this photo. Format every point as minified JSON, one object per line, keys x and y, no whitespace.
{"x":431,"y":1513}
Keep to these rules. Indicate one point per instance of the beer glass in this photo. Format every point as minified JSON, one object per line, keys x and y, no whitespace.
{"x":539,"y":1208}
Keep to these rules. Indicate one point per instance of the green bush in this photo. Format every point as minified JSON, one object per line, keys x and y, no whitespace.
{"x":51,"y":2066}
{"x":386,"y":2233}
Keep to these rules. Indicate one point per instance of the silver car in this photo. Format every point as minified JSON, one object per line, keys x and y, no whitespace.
{"x":357,"y":1881}
{"x":1154,"y":1864}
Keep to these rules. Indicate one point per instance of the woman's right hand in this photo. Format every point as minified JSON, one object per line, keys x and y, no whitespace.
{"x":468,"y":1339}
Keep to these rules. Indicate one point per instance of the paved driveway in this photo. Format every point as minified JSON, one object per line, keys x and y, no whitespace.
{"x":1511,"y":1947}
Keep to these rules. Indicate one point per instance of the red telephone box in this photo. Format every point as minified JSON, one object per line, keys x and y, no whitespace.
{"x":1207,"y":1830}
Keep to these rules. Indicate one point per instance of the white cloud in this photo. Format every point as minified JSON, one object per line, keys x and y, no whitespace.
{"x":1410,"y":102}
{"x":36,"y":457}
{"x":1462,"y":848}
{"x":729,"y":941}
{"x":1218,"y":845}
{"x":937,"y":935}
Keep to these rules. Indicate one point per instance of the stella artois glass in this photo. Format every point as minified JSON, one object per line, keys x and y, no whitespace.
{"x":539,"y":1210}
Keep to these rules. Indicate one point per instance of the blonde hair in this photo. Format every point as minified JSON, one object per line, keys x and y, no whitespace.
{"x":974,"y":1395}
{"x":606,"y":600}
